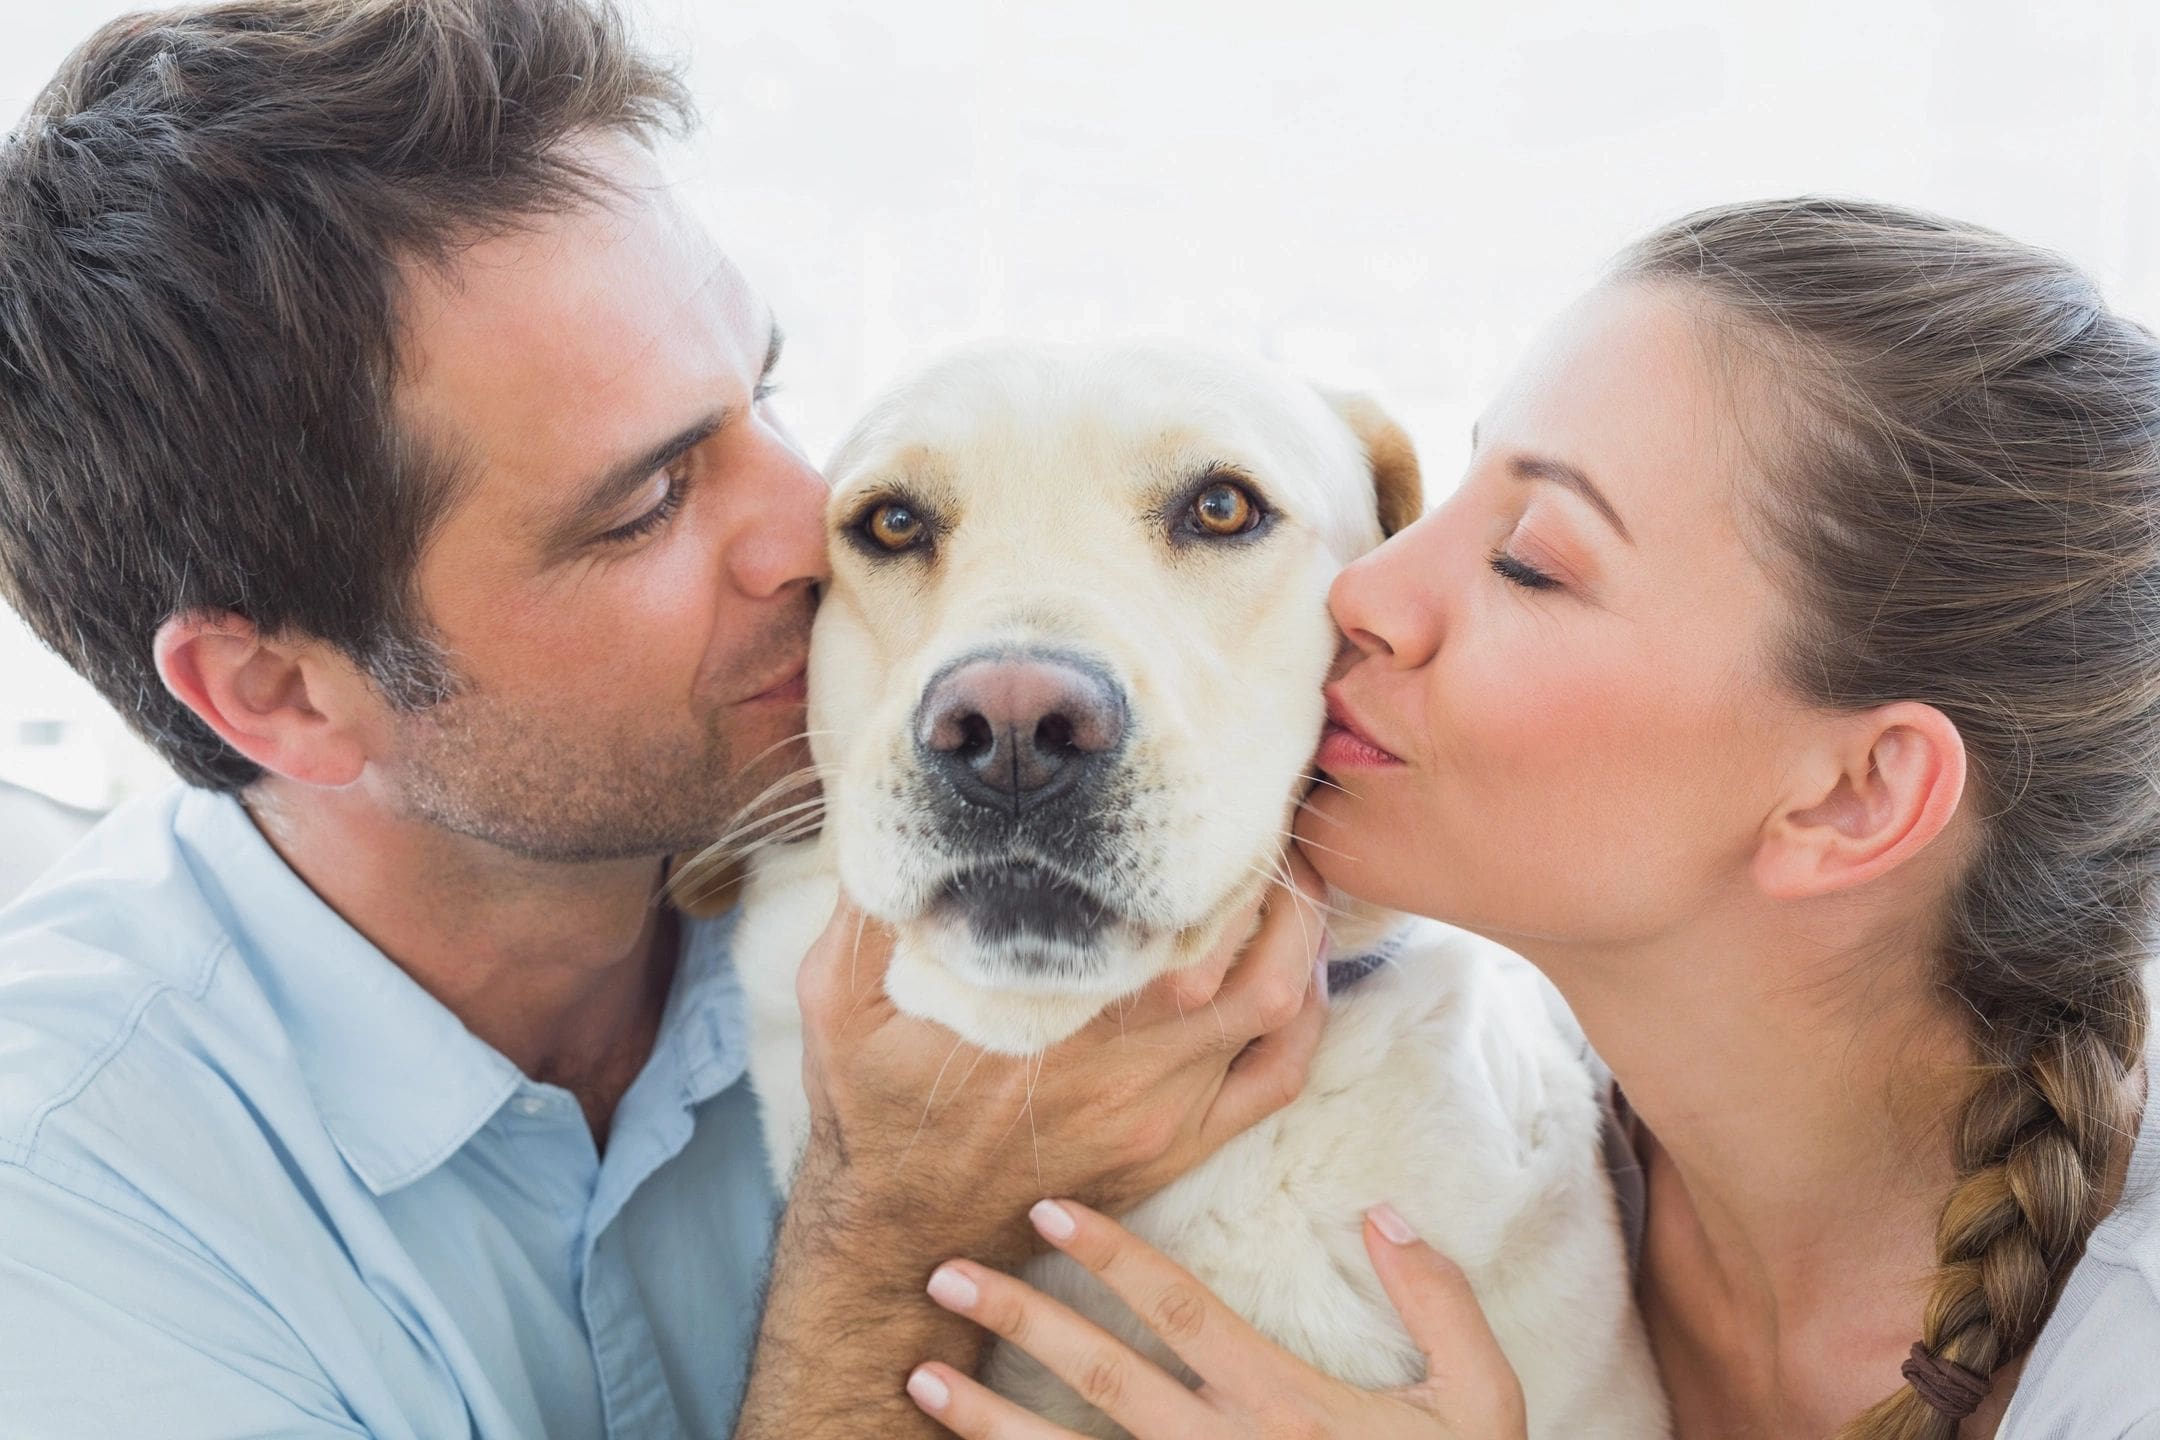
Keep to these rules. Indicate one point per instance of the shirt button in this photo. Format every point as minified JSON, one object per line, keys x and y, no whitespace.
{"x":531,"y":1105}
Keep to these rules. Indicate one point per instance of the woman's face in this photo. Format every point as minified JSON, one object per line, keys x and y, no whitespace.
{"x":1566,"y":663}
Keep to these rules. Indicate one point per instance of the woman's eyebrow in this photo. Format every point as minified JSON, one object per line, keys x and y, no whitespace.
{"x":1532,"y":467}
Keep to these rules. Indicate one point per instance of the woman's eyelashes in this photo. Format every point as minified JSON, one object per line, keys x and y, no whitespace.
{"x":1517,"y":572}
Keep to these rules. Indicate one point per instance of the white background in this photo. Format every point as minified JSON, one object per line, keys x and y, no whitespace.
{"x":1385,"y":195}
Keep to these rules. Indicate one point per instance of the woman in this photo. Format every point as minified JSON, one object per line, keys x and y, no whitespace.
{"x":1784,"y":681}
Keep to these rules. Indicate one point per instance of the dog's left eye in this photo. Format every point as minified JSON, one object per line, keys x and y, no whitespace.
{"x":1225,"y":508}
{"x":893,"y":526}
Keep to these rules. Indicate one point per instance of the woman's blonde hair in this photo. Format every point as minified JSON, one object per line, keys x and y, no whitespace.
{"x":1965,"y":498}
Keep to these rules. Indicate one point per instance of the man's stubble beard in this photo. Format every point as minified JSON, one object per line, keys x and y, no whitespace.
{"x":483,"y":769}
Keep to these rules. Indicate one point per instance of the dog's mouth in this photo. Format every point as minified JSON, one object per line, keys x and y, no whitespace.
{"x":1026,"y":912}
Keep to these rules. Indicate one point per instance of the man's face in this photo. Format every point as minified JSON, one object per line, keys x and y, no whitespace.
{"x":625,"y":581}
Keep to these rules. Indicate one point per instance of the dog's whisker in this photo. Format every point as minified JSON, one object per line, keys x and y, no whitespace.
{"x":928,"y":1101}
{"x":1307,"y":807}
{"x":1280,"y":875}
{"x":1034,"y":1139}
{"x":862,"y":924}
{"x":1027,"y":1097}
{"x":772,"y":818}
{"x":969,"y":1074}
{"x":1316,"y":845}
{"x":743,"y":835}
{"x":778,"y":820}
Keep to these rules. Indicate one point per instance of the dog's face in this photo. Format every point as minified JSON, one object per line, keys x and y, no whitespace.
{"x":1066,"y":678}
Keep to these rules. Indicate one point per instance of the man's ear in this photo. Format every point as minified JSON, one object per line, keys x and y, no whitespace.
{"x":1397,"y":486}
{"x":1880,"y":790}
{"x":284,"y":705}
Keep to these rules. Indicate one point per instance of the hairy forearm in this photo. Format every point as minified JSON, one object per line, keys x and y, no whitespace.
{"x":846,"y":1320}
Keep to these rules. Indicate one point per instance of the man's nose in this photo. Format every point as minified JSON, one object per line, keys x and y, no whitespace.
{"x":783,"y":541}
{"x":1011,"y":731}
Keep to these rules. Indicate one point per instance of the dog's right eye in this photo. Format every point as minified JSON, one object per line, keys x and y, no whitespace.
{"x":1225,"y":509}
{"x":893,"y":526}
{"x":1220,"y":506}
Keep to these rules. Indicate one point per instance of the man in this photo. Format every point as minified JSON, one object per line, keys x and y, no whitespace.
{"x":381,"y":436}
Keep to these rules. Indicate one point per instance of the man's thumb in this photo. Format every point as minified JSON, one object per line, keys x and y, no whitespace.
{"x":845,"y":969}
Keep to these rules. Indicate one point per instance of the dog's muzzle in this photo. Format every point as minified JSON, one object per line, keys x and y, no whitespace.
{"x":1019,"y":751}
{"x":1017,"y":731}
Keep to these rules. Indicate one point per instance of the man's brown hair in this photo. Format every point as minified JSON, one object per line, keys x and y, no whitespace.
{"x":202,"y":224}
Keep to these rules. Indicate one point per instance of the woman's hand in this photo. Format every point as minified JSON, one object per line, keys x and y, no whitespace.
{"x":1250,"y":1387}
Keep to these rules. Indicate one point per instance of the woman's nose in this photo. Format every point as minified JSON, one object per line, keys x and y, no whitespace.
{"x":1382,"y":608}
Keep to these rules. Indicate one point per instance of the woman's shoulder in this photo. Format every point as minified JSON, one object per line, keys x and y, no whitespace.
{"x":2094,"y":1373}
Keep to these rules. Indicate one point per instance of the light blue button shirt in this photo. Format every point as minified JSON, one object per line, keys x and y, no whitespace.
{"x":254,"y":1181}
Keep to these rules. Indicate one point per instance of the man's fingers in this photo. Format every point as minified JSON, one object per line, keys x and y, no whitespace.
{"x":1302,"y":903}
{"x":1305,"y":878}
{"x":1196,"y":984}
{"x":844,"y":969}
{"x":1267,"y":990}
{"x":1268,"y":1075}
{"x":974,"y":1412}
{"x":1100,"y":1368}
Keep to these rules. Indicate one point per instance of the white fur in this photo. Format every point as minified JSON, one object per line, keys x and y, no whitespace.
{"x":1449,"y":1083}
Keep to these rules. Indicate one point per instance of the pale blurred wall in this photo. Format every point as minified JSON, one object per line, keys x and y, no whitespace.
{"x":1384,"y":195}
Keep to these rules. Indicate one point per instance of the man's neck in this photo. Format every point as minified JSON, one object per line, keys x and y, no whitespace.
{"x":563,"y":968}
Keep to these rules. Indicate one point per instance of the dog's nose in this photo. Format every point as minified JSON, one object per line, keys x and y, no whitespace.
{"x":1012,"y":730}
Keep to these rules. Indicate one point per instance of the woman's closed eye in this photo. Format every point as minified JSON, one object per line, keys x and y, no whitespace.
{"x":1519,"y":572}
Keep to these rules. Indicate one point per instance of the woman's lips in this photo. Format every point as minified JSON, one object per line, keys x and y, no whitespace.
{"x":1344,"y":746}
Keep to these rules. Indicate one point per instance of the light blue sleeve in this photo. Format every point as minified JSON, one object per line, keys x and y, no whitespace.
{"x":109,"y":1326}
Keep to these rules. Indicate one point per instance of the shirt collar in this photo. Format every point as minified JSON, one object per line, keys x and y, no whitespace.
{"x":400,"y":1083}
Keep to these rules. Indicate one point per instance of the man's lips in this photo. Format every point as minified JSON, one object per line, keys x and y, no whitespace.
{"x":794,"y":688}
{"x":1344,"y":745}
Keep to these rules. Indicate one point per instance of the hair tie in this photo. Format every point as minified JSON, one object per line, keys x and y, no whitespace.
{"x":1945,"y":1385}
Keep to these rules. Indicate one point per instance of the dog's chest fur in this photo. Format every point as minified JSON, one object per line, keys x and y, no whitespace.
{"x":1447,"y":1083}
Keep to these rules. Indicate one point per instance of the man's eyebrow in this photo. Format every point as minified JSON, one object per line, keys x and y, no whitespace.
{"x":621,"y":480}
{"x":1533,"y":467}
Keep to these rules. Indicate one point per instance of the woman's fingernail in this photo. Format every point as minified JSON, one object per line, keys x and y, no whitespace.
{"x":928,"y":1390}
{"x":1385,"y":1219}
{"x":951,"y":1288}
{"x":1053,"y":1221}
{"x":1319,"y":978}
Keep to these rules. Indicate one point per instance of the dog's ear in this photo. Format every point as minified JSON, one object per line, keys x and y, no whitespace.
{"x":1397,"y":486}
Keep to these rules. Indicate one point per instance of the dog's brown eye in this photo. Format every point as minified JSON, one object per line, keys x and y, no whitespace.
{"x":894,"y":525}
{"x":1225,"y":509}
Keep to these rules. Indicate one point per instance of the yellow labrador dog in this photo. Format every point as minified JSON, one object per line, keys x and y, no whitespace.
{"x":1064,"y":688}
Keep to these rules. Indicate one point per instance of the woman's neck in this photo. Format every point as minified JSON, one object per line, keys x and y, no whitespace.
{"x":1798,"y":1109}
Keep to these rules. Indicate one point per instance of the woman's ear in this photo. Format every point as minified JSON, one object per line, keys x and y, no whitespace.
{"x":1881,"y":788}
{"x":282,"y":704}
{"x":1398,"y":489}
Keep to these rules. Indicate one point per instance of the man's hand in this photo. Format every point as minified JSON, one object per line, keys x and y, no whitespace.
{"x":922,"y":1146}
